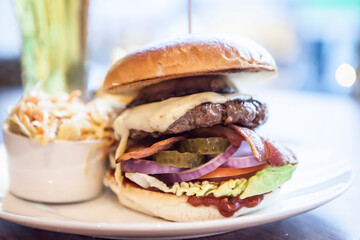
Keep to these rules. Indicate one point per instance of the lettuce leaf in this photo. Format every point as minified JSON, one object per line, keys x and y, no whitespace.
{"x":264,"y":181}
{"x":268,"y":180}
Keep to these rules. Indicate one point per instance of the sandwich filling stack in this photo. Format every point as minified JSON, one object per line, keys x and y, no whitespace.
{"x":188,"y":147}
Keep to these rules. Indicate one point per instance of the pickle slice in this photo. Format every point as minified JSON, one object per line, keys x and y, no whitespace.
{"x":177,"y":159}
{"x":204,"y":146}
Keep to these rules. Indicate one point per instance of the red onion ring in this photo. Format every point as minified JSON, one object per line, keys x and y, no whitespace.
{"x":147,"y":166}
{"x":242,"y":158}
{"x":243,"y":151}
{"x":197,"y":172}
{"x":242,"y":162}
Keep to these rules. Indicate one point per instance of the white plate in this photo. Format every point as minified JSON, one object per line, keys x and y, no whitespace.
{"x":317,"y":180}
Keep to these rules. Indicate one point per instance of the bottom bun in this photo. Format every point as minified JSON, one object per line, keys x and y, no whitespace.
{"x":172,"y":207}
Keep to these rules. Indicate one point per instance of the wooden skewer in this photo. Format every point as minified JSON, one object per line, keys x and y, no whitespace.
{"x":189,"y":15}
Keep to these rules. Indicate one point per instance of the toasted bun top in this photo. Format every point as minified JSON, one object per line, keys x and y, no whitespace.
{"x":190,"y":55}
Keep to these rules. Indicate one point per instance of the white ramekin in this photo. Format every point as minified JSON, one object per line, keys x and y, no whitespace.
{"x":59,"y":172}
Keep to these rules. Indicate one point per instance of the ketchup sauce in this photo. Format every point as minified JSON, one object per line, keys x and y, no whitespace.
{"x":227,"y":206}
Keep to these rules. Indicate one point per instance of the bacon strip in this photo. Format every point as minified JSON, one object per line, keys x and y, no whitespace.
{"x":265,"y":149}
{"x":156,"y":147}
{"x":218,"y":131}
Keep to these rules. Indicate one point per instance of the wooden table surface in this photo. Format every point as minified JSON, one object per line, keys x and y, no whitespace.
{"x":315,"y":120}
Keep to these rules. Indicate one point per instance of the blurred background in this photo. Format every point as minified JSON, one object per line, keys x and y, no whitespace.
{"x":315,"y":42}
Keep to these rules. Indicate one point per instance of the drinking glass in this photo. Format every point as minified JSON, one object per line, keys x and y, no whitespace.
{"x":53,"y":44}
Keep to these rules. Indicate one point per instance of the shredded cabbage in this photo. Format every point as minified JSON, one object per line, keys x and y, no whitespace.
{"x":231,"y":187}
{"x":45,"y":118}
{"x":263,"y":181}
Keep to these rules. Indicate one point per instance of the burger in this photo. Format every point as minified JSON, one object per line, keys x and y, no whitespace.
{"x":188,"y":149}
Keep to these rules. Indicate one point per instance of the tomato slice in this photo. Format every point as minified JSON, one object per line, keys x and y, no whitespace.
{"x":227,"y":172}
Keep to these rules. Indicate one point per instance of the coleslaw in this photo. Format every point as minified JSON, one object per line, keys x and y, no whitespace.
{"x":64,"y":117}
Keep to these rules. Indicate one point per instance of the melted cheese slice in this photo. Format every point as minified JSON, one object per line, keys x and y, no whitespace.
{"x":158,"y":116}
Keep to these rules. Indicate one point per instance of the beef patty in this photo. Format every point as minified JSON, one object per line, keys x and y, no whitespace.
{"x":182,"y":87}
{"x":249,"y":113}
